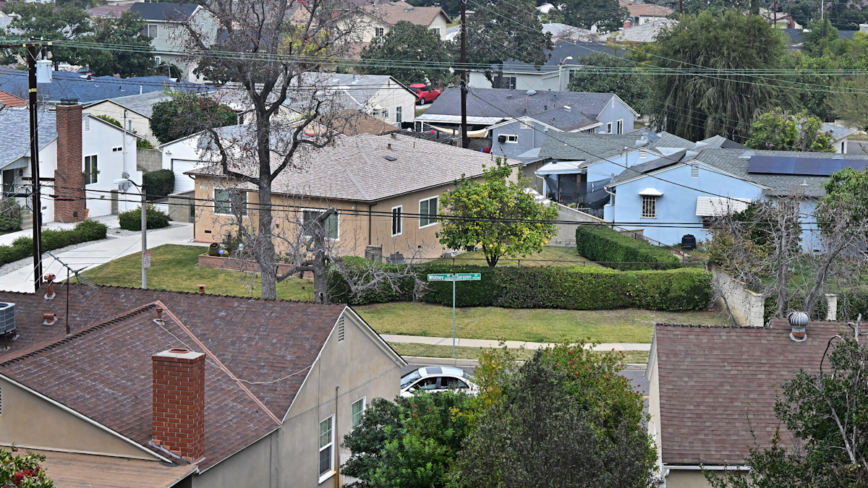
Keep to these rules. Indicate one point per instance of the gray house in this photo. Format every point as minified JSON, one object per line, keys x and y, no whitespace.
{"x":518,"y":122}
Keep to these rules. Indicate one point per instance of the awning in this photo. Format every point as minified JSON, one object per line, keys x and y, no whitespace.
{"x":650,"y":192}
{"x":560,"y":167}
{"x":477,"y":134}
{"x":456,"y":119}
{"x":717,"y":206}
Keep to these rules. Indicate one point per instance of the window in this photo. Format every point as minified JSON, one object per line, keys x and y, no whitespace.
{"x":507,"y":82}
{"x":512,"y":139}
{"x":450,"y":383}
{"x":427,"y":212}
{"x":326,"y":443}
{"x":398,"y":114}
{"x":358,"y":410}
{"x":620,"y":126}
{"x":87,"y":124}
{"x":379,"y":32}
{"x":230,"y":202}
{"x":158,"y":60}
{"x":396,"y":220}
{"x":649,"y":207}
{"x":694,"y":171}
{"x":331,"y":227}
{"x":385,"y":114}
{"x":117,"y":149}
{"x":436,"y":29}
{"x":609,"y":128}
{"x":153,"y":31}
{"x":91,"y":169}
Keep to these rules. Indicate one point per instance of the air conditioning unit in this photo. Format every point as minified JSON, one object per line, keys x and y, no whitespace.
{"x":501,"y":139}
{"x":7,"y":318}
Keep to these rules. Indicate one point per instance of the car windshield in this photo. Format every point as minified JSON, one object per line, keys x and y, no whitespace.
{"x":415,"y":90}
{"x":409,"y":378}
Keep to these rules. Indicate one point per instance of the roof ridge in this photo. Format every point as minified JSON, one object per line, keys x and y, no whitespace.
{"x":700,"y":326}
{"x":284,"y":300}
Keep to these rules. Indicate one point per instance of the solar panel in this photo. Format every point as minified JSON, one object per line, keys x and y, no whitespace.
{"x":783,"y":165}
{"x":760,"y":164}
{"x":829,"y":166}
{"x":807,"y":166}
{"x":788,"y":165}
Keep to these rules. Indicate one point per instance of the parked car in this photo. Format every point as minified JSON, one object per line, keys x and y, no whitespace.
{"x":424,"y":93}
{"x":435,"y":379}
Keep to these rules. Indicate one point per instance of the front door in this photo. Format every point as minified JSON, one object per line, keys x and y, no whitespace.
{"x":8,"y":181}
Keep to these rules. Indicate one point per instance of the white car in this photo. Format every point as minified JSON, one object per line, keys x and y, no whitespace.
{"x":437,"y":378}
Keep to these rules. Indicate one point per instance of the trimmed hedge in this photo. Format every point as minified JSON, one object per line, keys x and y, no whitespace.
{"x":85,"y":231}
{"x":601,"y":243}
{"x":159,"y":183}
{"x":132,"y":219}
{"x":576,"y":288}
{"x":10,"y":215}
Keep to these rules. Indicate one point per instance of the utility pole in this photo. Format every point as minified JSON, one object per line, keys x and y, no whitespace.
{"x":464,"y":141}
{"x":680,"y":6}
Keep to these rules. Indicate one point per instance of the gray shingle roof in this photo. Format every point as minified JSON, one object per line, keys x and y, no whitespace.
{"x":576,"y":49}
{"x":586,"y":147}
{"x":72,"y":85}
{"x":13,"y":123}
{"x":717,"y":142}
{"x":141,"y":104}
{"x":164,"y":11}
{"x":491,"y":102}
{"x":355,"y":90}
{"x":666,"y":139}
{"x":837,"y":131}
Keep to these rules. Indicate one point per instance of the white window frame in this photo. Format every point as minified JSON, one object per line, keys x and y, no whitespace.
{"x":694,"y":171}
{"x":620,"y":126}
{"x":651,"y":202}
{"x":437,"y":207}
{"x":608,"y":128}
{"x":337,"y":216}
{"x":400,"y":209}
{"x":87,"y":173}
{"x":158,"y":60}
{"x":379,"y":31}
{"x":330,"y":446}
{"x":511,"y":139}
{"x":399,"y":114}
{"x":364,"y":407}
{"x":436,"y":29}
{"x":242,"y":201}
{"x":156,"y":28}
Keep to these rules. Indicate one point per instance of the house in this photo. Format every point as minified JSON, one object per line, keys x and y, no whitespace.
{"x":554,"y":75}
{"x":517,"y":121}
{"x":80,"y":156}
{"x":839,"y":136}
{"x":711,"y":389}
{"x":377,"y":19}
{"x":647,"y":32}
{"x":267,"y":389}
{"x":168,"y":33}
{"x":373,"y":181}
{"x":379,"y":96}
{"x":688,"y":193}
{"x":133,"y":111}
{"x":353,"y":123}
{"x":796,"y":35}
{"x":108,"y":11}
{"x":7,"y":100}
{"x":641,"y":13}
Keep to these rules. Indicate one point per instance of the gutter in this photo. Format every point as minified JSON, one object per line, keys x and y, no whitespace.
{"x":670,"y":467}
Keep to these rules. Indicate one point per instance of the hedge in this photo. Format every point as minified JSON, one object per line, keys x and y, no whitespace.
{"x":159,"y":183}
{"x":601,"y":243}
{"x":10,"y":215}
{"x":85,"y":231}
{"x":132,"y":219}
{"x":576,"y":288}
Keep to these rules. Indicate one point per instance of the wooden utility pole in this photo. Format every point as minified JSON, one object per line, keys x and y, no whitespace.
{"x":464,"y":141}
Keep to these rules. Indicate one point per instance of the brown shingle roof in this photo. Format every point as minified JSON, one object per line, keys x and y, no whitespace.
{"x":353,"y":123}
{"x":646,"y":9}
{"x":403,"y":11}
{"x":256,"y":340}
{"x":716,"y":383}
{"x":8,"y":100}
{"x":69,"y":469}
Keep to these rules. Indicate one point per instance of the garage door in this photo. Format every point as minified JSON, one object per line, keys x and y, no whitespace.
{"x":183,"y":182}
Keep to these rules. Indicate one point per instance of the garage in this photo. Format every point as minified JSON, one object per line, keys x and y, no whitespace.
{"x":183,"y":182}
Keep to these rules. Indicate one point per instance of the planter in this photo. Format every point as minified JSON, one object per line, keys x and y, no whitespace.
{"x":235,"y":264}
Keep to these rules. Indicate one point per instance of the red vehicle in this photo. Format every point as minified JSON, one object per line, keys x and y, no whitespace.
{"x":424,"y":93}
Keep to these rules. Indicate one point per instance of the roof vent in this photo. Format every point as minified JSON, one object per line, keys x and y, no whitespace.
{"x":531,"y":93}
{"x":567,"y":108}
{"x":408,"y":9}
{"x":390,"y":158}
{"x":804,"y":182}
{"x":798,"y":322}
{"x":747,"y":155}
{"x":7,"y":318}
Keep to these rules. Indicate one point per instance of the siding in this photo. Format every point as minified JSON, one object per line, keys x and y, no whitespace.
{"x":616,"y":110}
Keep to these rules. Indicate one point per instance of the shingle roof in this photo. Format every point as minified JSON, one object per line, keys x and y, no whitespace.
{"x":257,"y":340}
{"x":492,"y":102}
{"x":718,"y":383}
{"x":355,"y":90}
{"x":13,"y":123}
{"x":666,"y":139}
{"x":72,"y":85}
{"x":393,"y":12}
{"x":586,"y":147}
{"x":718,"y":142}
{"x":562,"y":50}
{"x":838,"y":132}
{"x":7,"y":100}
{"x":357,"y":168}
{"x":353,"y":123}
{"x":142,"y":104}
{"x":108,"y":10}
{"x":646,"y":32}
{"x":164,"y":12}
{"x":646,"y":9}
{"x":70,"y":469}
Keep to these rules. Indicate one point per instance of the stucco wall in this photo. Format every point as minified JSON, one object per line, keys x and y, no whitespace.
{"x":441,"y":23}
{"x":391,"y":96}
{"x":29,"y":421}
{"x":249,"y":467}
{"x":101,"y":139}
{"x":746,"y":306}
{"x":530,"y":136}
{"x":138,"y":124}
{"x":686,"y":479}
{"x":566,"y":235}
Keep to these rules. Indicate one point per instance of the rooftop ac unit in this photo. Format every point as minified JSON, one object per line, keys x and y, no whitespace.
{"x":7,"y":318}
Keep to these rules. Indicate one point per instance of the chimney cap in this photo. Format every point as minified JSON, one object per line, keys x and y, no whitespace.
{"x":69,"y":101}
{"x":179,"y":353}
{"x":798,"y":322}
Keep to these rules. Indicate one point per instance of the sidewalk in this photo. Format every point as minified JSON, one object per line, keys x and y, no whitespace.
{"x":98,"y":253}
{"x":447,"y":341}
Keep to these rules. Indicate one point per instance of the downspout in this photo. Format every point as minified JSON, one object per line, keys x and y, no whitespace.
{"x":124,"y":128}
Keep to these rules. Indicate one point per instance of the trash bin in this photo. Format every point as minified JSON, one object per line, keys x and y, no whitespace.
{"x":688,"y":242}
{"x":213,"y":249}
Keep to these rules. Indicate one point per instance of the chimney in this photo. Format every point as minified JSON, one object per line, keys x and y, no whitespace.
{"x":179,"y":403}
{"x":69,"y":176}
{"x":627,"y":24}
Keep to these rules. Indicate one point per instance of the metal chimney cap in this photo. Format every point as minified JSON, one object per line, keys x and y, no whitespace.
{"x":798,"y":322}
{"x":69,"y":101}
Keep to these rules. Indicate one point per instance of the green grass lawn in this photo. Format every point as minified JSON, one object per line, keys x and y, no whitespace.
{"x":532,"y":325}
{"x":420,"y":111}
{"x":550,"y":256}
{"x":175,"y":268}
{"x":428,"y":351}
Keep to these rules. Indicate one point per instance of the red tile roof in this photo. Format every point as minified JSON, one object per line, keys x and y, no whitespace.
{"x":257,"y":341}
{"x":8,"y":100}
{"x":718,"y":382}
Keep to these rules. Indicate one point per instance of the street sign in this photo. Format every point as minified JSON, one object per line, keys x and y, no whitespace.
{"x":440,"y":277}
{"x":454,"y":278}
{"x":468,"y":277}
{"x":146,"y":259}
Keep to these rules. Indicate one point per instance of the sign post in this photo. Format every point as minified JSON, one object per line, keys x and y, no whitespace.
{"x":453,"y":278}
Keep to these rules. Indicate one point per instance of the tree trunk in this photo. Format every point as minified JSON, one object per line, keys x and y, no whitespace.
{"x":264,"y":249}
{"x":320,"y":279}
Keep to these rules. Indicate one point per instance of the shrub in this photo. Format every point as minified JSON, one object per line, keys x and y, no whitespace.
{"x":10,"y":215}
{"x":132,"y":219}
{"x":85,"y":231}
{"x":576,"y":288}
{"x":601,"y":243}
{"x":144,"y":144}
{"x":110,"y":120}
{"x":91,"y":230}
{"x":159,"y":183}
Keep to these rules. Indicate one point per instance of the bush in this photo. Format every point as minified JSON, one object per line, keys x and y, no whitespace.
{"x":144,"y":144}
{"x":10,"y":215}
{"x":132,"y":219}
{"x":601,"y":243}
{"x":576,"y":288}
{"x":159,"y":183}
{"x":85,"y":231}
{"x":91,"y":230}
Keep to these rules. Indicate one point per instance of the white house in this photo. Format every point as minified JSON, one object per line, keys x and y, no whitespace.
{"x":133,"y":111}
{"x":379,"y":96}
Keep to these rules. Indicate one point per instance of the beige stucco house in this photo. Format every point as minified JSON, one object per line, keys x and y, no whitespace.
{"x":133,"y":112}
{"x":375,"y":21}
{"x":264,"y":390}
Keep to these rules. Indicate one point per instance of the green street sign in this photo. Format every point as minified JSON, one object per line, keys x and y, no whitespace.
{"x":440,"y":277}
{"x":468,"y":277}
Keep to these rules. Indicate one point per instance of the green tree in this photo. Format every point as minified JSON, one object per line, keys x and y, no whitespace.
{"x":410,"y":443}
{"x":412,"y":54}
{"x":607,"y":15}
{"x":627,"y":83}
{"x":24,"y":471}
{"x":782,"y":131}
{"x":819,"y":37}
{"x":849,"y":188}
{"x":851,"y":102}
{"x":496,"y":35}
{"x":704,"y":104}
{"x":188,"y":113}
{"x":46,"y":21}
{"x":493,"y":214}
{"x":126,"y":30}
{"x":826,"y":413}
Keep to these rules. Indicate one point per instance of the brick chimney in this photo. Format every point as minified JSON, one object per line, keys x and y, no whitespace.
{"x":179,"y":403}
{"x":627,"y":24}
{"x":69,"y":176}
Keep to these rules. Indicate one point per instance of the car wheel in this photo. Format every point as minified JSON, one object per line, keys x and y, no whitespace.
{"x":421,"y":101}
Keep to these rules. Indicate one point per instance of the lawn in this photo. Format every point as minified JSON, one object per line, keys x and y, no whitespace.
{"x":427,"y":351}
{"x":550,"y":256}
{"x":175,"y":268}
{"x":532,"y":325}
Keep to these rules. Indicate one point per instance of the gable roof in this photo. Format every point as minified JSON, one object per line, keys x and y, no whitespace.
{"x":720,"y":142}
{"x":13,"y":123}
{"x":393,"y":12}
{"x":71,"y":85}
{"x":562,"y":50}
{"x":355,"y":90}
{"x":838,"y":132}
{"x":141,"y":104}
{"x":7,"y":100}
{"x":716,"y":383}
{"x":646,"y":9}
{"x":665,"y":139}
{"x":109,"y":11}
{"x":646,"y":32}
{"x":164,"y":12}
{"x":587,"y":147}
{"x":353,"y":123}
